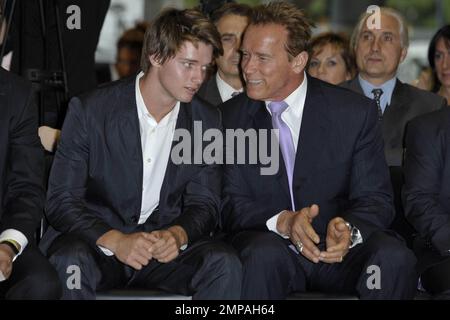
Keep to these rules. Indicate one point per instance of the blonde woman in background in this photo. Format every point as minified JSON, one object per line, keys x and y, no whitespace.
{"x":331,"y":59}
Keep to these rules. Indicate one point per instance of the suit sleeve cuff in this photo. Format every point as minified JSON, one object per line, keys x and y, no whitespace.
{"x":13,"y":234}
{"x":272,"y":225}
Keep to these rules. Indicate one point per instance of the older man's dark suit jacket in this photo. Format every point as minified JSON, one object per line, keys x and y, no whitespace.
{"x":21,"y":158}
{"x":210,"y":92}
{"x":407,"y":103}
{"x":339,"y":164}
{"x":96,"y":180}
{"x":426,"y":193}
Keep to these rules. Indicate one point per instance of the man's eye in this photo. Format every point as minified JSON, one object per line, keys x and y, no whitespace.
{"x":227,"y":39}
{"x":367,"y":37}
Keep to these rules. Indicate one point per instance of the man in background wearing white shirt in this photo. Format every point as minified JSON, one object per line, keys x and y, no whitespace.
{"x":121,"y":210}
{"x":230,"y":20}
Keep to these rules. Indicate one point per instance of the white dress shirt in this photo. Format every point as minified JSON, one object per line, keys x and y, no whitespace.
{"x":156,"y":142}
{"x":292,"y":116}
{"x":226,"y":91}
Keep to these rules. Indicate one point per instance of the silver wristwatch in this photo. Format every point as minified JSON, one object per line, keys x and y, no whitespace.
{"x":355,"y":235}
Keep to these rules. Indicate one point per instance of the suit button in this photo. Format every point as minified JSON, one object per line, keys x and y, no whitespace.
{"x":133,"y":219}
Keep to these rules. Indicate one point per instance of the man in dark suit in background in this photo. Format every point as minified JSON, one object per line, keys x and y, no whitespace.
{"x":426,"y":197}
{"x":378,"y":54}
{"x":320,"y":223}
{"x":231,"y":20}
{"x":24,"y":271}
{"x":120,"y":208}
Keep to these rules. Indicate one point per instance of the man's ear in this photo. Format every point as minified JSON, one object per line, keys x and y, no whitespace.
{"x":300,"y":61}
{"x":403,"y":55}
{"x":154,"y":61}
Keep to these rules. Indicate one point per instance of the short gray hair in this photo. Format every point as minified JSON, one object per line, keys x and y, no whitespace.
{"x":404,"y":35}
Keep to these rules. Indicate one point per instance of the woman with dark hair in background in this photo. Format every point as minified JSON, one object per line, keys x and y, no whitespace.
{"x":439,"y":59}
{"x":331,"y":59}
{"x":129,"y":49}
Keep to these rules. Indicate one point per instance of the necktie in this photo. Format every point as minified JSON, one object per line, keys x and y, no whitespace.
{"x":377,"y":95}
{"x":235,"y":93}
{"x":285,"y":140}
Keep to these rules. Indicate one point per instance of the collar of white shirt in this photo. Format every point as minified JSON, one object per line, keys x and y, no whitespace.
{"x":143,"y":113}
{"x":225,"y":89}
{"x":293,"y":114}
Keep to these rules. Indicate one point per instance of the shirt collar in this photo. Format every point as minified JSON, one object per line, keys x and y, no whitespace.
{"x":387,"y":87}
{"x":225,"y":89}
{"x":296,"y":99}
{"x":143,"y":111}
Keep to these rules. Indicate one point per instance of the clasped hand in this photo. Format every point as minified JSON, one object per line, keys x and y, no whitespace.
{"x":6,"y":260}
{"x":298,"y":226}
{"x":138,"y":249}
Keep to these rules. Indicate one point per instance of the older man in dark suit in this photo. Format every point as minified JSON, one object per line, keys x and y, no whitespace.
{"x":24,"y":271}
{"x":426,"y":197}
{"x":320,"y":223}
{"x":122,"y":211}
{"x":379,"y":50}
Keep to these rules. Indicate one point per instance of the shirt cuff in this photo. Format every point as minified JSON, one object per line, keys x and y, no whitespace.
{"x":17,"y":236}
{"x":272,"y":225}
{"x":106,"y":251}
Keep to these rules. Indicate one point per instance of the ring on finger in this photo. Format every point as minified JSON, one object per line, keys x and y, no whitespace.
{"x":300,"y":246}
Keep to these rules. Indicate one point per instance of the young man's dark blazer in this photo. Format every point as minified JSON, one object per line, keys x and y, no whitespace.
{"x":339,"y":165}
{"x":407,"y":103}
{"x":426,"y":193}
{"x":96,"y":180}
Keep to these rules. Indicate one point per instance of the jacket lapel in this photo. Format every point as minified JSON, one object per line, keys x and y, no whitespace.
{"x":3,"y":90}
{"x":396,"y":110}
{"x":355,"y":86}
{"x":398,"y":99}
{"x":129,"y":132}
{"x":213,"y":92}
{"x":263,"y":120}
{"x":184,"y":121}
{"x":313,"y":136}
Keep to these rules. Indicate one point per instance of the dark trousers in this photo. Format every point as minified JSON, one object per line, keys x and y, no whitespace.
{"x":272,"y":269}
{"x":436,"y":279}
{"x":205,"y":270}
{"x":32,"y":278}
